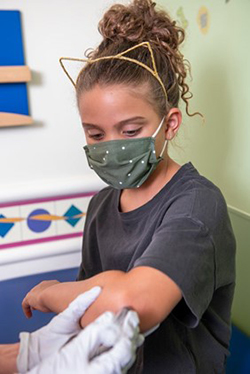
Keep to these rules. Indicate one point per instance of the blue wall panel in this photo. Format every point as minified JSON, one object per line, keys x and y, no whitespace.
{"x":13,"y":96}
{"x":239,"y":361}
{"x":12,"y":292}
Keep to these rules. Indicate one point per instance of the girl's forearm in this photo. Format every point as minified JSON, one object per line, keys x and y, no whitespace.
{"x":8,"y":356}
{"x":57,"y":297}
{"x":148,"y":291}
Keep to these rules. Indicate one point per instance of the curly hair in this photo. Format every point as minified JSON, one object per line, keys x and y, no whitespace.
{"x":124,"y":26}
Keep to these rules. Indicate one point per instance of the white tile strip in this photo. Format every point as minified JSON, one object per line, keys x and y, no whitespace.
{"x":41,"y":258}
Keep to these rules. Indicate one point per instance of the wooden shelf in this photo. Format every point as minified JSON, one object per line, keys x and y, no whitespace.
{"x":14,"y":74}
{"x":12,"y":119}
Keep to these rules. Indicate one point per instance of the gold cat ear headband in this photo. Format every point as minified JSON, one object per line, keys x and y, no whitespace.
{"x":119,"y":56}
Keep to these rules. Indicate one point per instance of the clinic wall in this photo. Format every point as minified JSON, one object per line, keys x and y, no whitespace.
{"x":241,"y":304}
{"x":45,"y":161}
{"x":220,"y":60}
{"x":48,"y":156}
{"x":219,"y":148}
{"x":12,"y":319}
{"x":51,"y":150}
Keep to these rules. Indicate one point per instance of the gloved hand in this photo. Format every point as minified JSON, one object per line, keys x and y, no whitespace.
{"x":36,"y":346}
{"x":75,"y":356}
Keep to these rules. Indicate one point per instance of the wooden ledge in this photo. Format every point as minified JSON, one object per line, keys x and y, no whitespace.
{"x":14,"y":74}
{"x":12,"y":119}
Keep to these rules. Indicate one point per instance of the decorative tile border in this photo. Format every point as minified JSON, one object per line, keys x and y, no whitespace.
{"x":42,"y":220}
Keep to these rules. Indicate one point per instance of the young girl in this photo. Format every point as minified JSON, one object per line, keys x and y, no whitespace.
{"x":158,"y":239}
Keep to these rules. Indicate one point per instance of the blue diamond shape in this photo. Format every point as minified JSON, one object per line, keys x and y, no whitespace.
{"x":71,"y":212}
{"x":5,"y":227}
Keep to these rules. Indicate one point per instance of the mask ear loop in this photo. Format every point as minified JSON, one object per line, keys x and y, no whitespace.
{"x":155,"y":134}
{"x":164,"y":147}
{"x":158,"y":128}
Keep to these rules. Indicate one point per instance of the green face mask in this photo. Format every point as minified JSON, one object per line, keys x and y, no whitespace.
{"x":124,"y":163}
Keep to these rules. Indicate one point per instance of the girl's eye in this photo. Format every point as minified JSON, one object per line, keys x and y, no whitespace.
{"x":97,"y":136}
{"x":131,"y":133}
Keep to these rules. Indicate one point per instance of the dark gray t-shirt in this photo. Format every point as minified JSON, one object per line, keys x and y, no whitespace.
{"x":185,"y":232}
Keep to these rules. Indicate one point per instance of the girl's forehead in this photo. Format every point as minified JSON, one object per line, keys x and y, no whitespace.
{"x":115,"y":90}
{"x":113,"y":98}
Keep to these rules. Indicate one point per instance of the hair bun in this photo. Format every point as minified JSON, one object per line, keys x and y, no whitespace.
{"x":126,"y":26}
{"x":138,"y":22}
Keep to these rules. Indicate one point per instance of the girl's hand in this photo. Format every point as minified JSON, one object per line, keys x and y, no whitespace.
{"x":33,"y":300}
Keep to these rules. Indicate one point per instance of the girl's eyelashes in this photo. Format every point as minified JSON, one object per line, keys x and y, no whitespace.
{"x":97,"y":136}
{"x":127,"y":133}
{"x":132,"y":132}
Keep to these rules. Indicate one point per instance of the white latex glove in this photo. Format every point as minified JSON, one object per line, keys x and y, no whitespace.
{"x":75,"y":356}
{"x":38,"y":345}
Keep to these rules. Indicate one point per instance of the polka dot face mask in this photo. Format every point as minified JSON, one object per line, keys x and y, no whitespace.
{"x":124,"y":163}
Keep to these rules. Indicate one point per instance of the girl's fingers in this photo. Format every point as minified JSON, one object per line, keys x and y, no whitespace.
{"x":26,"y":308}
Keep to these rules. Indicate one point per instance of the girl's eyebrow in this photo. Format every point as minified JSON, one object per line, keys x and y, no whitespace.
{"x":90,"y":126}
{"x":118,"y":124}
{"x":132,"y":119}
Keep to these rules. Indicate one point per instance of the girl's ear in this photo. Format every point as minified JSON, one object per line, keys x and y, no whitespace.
{"x":173,"y":122}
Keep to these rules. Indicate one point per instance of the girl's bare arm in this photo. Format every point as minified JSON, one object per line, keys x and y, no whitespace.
{"x":147,"y":290}
{"x":8,"y":356}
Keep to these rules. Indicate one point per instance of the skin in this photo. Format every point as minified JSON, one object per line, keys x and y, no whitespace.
{"x":8,"y":354}
{"x":109,"y":113}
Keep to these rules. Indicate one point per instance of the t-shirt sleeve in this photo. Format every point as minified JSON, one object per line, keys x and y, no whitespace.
{"x":183,"y":249}
{"x":87,"y":237}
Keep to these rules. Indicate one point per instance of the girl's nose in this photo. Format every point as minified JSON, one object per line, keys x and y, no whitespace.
{"x":113,"y":135}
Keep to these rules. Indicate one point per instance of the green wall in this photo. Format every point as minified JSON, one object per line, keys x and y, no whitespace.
{"x":218,"y":48}
{"x":241,"y":305}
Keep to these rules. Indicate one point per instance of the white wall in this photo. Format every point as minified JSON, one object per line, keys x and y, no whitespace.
{"x":48,"y":157}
